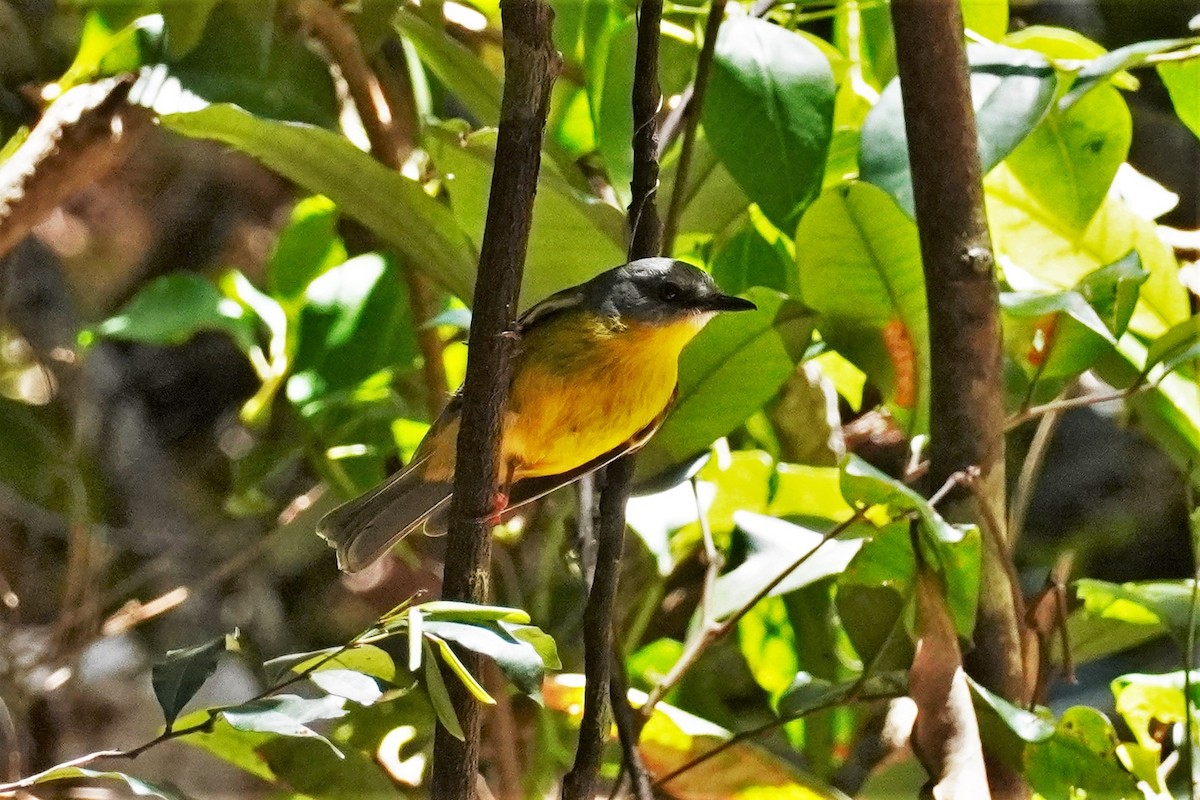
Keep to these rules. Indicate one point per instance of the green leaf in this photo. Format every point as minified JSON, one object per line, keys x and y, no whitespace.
{"x":573,"y":237}
{"x":1040,"y":252}
{"x":954,"y":551}
{"x":611,"y":88}
{"x":517,"y":658}
{"x":1146,"y":701}
{"x":1069,"y":160}
{"x":356,"y":320}
{"x":457,"y":68}
{"x":1010,"y":90}
{"x":41,"y":462}
{"x":286,"y":715}
{"x":246,"y":59}
{"x":988,"y":18}
{"x":755,"y":257}
{"x":1053,"y":335}
{"x":1103,"y":68}
{"x":455,"y":611}
{"x":807,"y":694}
{"x":137,"y":786}
{"x":766,"y":641}
{"x":439,"y":697}
{"x":418,"y":226}
{"x":1113,"y":291}
{"x":307,"y":248}
{"x":1182,"y":79}
{"x":1080,"y":760}
{"x":872,"y":609}
{"x":713,"y":200}
{"x":756,"y":352}
{"x":773,"y":546}
{"x":1146,"y":608}
{"x":365,"y":659}
{"x":185,"y":21}
{"x":542,"y":643}
{"x":105,"y":51}
{"x":769,"y":114}
{"x":347,"y":683}
{"x":180,"y":674}
{"x":174,"y":308}
{"x":1028,"y":727}
{"x":860,"y":268}
{"x":1175,"y":347}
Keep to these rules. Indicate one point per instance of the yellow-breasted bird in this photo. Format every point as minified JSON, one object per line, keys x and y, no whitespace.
{"x":594,"y":376}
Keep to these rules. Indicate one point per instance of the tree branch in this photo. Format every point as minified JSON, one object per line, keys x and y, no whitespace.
{"x":967,"y":413}
{"x":531,"y":63}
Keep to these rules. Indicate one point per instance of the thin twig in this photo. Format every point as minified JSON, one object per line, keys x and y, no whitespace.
{"x":629,"y":729}
{"x":691,"y":104}
{"x":391,"y":141}
{"x":1031,"y":467}
{"x":717,"y":631}
{"x":1069,"y":403}
{"x":531,"y":65}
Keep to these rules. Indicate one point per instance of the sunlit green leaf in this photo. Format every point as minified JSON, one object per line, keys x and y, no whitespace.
{"x":860,"y":268}
{"x":286,"y":715}
{"x":458,"y":68}
{"x":307,"y":248}
{"x":136,"y":786}
{"x":1182,"y":79}
{"x":174,"y":308}
{"x":420,"y":228}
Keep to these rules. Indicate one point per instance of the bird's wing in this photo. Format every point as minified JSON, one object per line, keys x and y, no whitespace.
{"x":551,"y":306}
{"x":530,"y":489}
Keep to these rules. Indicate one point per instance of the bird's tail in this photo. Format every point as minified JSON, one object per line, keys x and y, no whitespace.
{"x":364,"y":528}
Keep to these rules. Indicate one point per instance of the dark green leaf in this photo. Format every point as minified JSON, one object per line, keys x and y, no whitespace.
{"x":873,"y":594}
{"x":1113,"y":291}
{"x":459,"y":69}
{"x":307,"y":248}
{"x":314,"y":771}
{"x":439,"y":697}
{"x":181,"y":673}
{"x":860,"y":268}
{"x":808,"y":694}
{"x":245,"y":58}
{"x":40,"y":461}
{"x":174,"y":308}
{"x":713,"y":200}
{"x":749,"y":259}
{"x":769,"y":114}
{"x":773,"y":546}
{"x":185,"y":22}
{"x":1011,"y":91}
{"x":755,"y":351}
{"x":419,"y":227}
{"x":1024,"y":724}
{"x":1069,"y":160}
{"x":137,"y":786}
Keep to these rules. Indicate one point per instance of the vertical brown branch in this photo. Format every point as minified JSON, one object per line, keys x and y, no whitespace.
{"x":967,"y":415}
{"x":530,"y":64}
{"x":645,"y":240}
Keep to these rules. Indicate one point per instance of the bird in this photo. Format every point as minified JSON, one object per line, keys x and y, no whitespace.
{"x":594,"y":374}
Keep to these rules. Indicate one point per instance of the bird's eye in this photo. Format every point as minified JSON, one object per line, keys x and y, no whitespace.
{"x":669,"y":292}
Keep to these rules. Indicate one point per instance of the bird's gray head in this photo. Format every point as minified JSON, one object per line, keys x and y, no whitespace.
{"x":658,"y":290}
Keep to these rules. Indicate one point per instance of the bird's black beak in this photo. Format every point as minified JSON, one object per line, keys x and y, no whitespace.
{"x":727,"y":302}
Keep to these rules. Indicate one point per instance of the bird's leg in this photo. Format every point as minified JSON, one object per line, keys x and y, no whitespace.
{"x":500,"y":499}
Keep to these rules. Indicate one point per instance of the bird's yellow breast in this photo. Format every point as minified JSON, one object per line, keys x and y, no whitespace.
{"x":583,"y":385}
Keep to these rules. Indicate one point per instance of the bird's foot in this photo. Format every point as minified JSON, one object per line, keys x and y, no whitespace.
{"x":499,"y":505}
